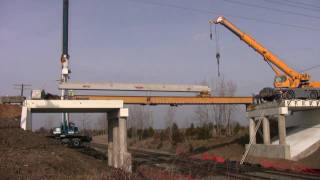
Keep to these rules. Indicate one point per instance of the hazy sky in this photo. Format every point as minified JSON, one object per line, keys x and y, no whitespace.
{"x":153,"y":41}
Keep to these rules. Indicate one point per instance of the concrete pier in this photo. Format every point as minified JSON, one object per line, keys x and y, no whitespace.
{"x":118,"y":155}
{"x":266,"y":130}
{"x":303,"y":138}
{"x":252,"y":126}
{"x":282,"y":129}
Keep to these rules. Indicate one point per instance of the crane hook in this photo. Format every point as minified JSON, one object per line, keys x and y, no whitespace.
{"x":218,"y":62}
{"x":211,"y":32}
{"x":217,"y":46}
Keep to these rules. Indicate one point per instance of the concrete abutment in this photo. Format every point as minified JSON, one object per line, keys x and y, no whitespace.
{"x":298,"y":130}
{"x":117,"y":151}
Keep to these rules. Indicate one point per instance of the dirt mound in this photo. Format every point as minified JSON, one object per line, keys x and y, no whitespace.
{"x":10,"y":116}
{"x":27,"y":155}
{"x":24,"y":154}
{"x":10,"y":111}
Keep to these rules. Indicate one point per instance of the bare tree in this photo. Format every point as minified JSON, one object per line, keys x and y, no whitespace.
{"x":170,"y":119}
{"x":223,"y":112}
{"x":102,"y":123}
{"x":84,"y":121}
{"x":203,"y":112}
{"x":231,"y":89}
{"x":139,"y":119}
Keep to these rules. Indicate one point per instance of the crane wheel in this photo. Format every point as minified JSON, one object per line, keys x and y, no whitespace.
{"x":289,"y":94}
{"x":313,"y":95}
{"x":268,"y":94}
{"x":76,"y":142}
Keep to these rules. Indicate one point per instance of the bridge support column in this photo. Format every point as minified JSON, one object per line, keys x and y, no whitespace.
{"x":118,"y":155}
{"x":282,"y":129}
{"x":266,"y":130}
{"x":267,"y":149}
{"x":26,"y":119}
{"x":110,"y":141}
{"x":252,"y":126}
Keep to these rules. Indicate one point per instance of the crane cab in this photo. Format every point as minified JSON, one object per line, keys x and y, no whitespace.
{"x":281,"y":81}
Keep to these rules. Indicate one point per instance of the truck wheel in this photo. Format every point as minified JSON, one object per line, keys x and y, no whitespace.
{"x":76,"y":142}
{"x":313,"y":95}
{"x":289,"y":94}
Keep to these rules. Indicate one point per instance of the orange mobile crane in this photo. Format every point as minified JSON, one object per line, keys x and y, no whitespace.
{"x":288,"y":83}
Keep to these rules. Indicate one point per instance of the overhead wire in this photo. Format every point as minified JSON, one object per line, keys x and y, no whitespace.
{"x":217,"y":49}
{"x":216,"y":38}
{"x":228,"y":14}
{"x":257,"y":20}
{"x":302,"y":3}
{"x":311,"y":68}
{"x":291,"y":5}
{"x":270,"y":8}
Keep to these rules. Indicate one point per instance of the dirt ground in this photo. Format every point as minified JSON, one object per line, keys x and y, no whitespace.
{"x":231,"y":148}
{"x":227,"y":147}
{"x":312,"y":160}
{"x":27,"y":155}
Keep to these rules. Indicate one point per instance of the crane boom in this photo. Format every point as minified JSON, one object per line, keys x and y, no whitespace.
{"x":288,"y":83}
{"x":295,"y":77}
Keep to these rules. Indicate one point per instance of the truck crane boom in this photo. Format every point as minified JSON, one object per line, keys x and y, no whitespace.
{"x":287,"y":80}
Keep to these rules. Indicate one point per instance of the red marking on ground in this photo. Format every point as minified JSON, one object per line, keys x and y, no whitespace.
{"x":212,"y":157}
{"x":286,"y":166}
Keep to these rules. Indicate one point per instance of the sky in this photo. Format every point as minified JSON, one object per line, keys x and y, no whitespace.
{"x":154,"y":41}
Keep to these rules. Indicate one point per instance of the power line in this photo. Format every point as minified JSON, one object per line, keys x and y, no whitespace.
{"x":271,"y":9}
{"x":311,"y":68}
{"x":21,"y":87}
{"x":291,"y":5}
{"x":304,"y":4}
{"x":201,"y":11}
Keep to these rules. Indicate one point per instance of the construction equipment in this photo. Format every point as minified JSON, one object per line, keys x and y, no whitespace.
{"x":288,"y":83}
{"x":70,"y":135}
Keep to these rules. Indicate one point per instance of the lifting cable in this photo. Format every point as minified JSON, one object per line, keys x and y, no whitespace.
{"x":217,"y":46}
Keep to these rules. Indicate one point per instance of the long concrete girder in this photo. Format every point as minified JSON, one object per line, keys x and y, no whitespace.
{"x":136,"y":87}
{"x":169,"y":100}
{"x":57,"y":106}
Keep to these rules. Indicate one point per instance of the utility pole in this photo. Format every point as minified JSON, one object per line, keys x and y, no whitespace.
{"x":22,"y":87}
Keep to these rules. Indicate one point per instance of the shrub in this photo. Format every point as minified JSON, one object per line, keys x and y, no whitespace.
{"x":236,"y":128}
{"x":204,"y":132}
{"x":176,"y":135}
{"x":191,"y":130}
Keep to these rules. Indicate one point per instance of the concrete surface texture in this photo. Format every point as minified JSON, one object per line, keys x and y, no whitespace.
{"x":135,"y":87}
{"x":298,"y":128}
{"x":303,"y":134}
{"x":303,"y":142}
{"x":270,"y":151}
